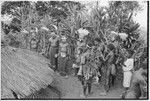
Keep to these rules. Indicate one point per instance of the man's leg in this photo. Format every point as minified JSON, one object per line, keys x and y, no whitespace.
{"x":66,"y":66}
{"x":125,"y":92}
{"x":84,"y":87}
{"x":56,"y":63}
{"x":66,"y":69}
{"x":62,"y":66}
{"x":103,"y":80}
{"x":59,"y":64}
{"x":89,"y":87}
{"x":107,"y":84}
{"x":99,"y":76}
{"x":113,"y":80}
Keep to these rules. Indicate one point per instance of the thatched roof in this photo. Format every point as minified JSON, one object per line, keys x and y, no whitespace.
{"x":23,"y":72}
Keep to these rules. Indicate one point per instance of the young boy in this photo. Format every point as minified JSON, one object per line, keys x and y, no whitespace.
{"x":127,"y":71}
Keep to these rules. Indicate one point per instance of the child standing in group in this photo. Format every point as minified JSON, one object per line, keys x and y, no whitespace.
{"x":127,"y":71}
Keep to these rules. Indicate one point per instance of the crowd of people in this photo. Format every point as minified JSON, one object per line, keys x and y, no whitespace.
{"x":96,"y":62}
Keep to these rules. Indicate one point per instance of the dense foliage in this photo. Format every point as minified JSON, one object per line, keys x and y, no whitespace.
{"x":69,"y":16}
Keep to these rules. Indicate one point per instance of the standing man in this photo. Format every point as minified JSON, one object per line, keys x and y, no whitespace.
{"x":80,"y":44}
{"x":53,"y":49}
{"x":86,"y":71}
{"x":107,"y":68}
{"x":33,"y":40}
{"x":99,"y":58}
{"x":77,"y":64}
{"x":44,"y":41}
{"x":111,"y":69}
{"x":63,"y":56}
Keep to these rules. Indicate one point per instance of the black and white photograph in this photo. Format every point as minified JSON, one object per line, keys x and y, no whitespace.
{"x":76,"y":50}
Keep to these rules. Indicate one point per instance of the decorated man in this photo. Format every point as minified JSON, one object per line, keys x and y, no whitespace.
{"x":88,"y":69}
{"x":81,"y":42}
{"x":33,"y":39}
{"x":63,"y":56}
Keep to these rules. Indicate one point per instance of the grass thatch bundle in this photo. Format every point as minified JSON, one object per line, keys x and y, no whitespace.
{"x":23,"y":72}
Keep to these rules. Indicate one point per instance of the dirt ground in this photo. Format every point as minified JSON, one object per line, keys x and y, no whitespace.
{"x":71,"y":88}
{"x":114,"y":93}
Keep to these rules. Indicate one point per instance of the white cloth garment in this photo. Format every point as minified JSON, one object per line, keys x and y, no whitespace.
{"x":127,"y":73}
{"x":129,"y":64}
{"x":127,"y":78}
{"x":80,"y":71}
